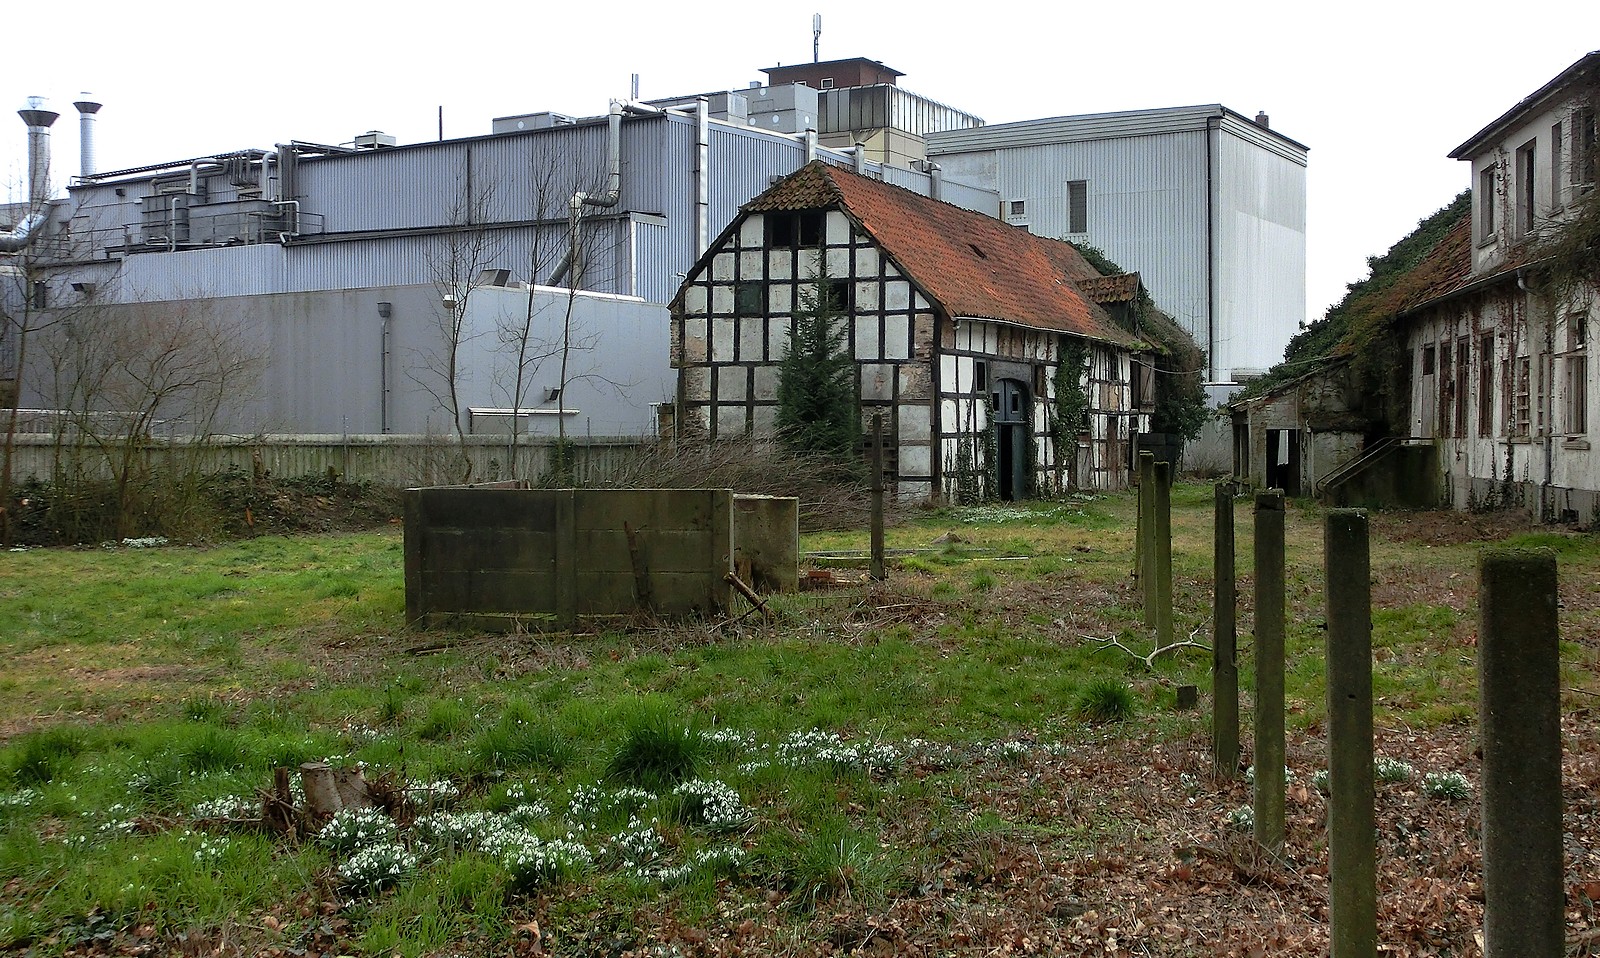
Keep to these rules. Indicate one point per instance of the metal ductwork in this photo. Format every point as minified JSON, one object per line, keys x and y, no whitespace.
{"x":87,"y":108}
{"x":38,"y":119}
{"x":613,"y":191}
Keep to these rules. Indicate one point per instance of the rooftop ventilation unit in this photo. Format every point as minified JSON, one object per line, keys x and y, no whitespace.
{"x":374,"y":140}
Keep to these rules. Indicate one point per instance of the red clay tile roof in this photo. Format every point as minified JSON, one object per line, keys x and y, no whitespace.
{"x":972,"y":265}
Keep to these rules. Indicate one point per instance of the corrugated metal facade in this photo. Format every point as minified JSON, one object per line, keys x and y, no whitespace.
{"x":1206,"y":205}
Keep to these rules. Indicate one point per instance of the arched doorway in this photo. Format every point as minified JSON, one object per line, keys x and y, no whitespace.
{"x":1012,"y":414}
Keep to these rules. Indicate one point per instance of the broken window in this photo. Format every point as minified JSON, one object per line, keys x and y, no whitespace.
{"x":1522,"y":407}
{"x":1577,"y":374}
{"x":1486,"y":385}
{"x":795,"y":229}
{"x":1077,"y":206}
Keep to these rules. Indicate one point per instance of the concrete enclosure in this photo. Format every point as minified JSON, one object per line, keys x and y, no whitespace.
{"x":502,"y":553}
{"x":480,"y":553}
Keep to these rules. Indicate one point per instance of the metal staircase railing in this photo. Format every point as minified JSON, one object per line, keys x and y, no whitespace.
{"x":1368,"y":458}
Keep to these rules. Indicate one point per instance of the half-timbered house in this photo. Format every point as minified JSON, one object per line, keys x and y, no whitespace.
{"x":957,"y":323}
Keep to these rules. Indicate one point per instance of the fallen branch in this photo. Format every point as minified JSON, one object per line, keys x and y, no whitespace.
{"x":750,"y":594}
{"x":1149,"y":660}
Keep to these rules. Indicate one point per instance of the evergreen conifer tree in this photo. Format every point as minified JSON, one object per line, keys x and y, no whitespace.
{"x":817,"y":410}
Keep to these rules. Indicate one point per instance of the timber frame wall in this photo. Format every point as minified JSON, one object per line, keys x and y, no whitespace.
{"x":730,"y":331}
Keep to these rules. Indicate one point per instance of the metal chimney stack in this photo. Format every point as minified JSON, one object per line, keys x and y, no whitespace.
{"x":87,"y":108}
{"x":38,"y":119}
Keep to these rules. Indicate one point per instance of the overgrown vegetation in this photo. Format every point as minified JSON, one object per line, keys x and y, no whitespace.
{"x":907,"y":757}
{"x":1180,"y":400}
{"x":1071,"y":402}
{"x":1361,"y":323}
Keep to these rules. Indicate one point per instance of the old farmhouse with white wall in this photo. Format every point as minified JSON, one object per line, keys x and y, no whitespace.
{"x":1501,"y":379}
{"x":956,"y":322}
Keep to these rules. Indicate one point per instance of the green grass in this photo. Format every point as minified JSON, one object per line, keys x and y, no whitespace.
{"x":164,"y":678}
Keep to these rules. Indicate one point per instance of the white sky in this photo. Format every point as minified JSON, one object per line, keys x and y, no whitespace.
{"x":1380,"y":91}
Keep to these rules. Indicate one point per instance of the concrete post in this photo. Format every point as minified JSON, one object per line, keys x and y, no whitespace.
{"x":1269,"y":750}
{"x":877,"y":496}
{"x":1146,"y":547}
{"x":1519,"y":719}
{"x":1352,"y":854}
{"x":1224,"y":667}
{"x":1163,"y":553}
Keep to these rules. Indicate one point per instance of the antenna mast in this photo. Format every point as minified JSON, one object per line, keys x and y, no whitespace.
{"x":816,"y":37}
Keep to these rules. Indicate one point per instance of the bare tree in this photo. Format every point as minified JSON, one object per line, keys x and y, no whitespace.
{"x":137,"y":381}
{"x":466,"y":247}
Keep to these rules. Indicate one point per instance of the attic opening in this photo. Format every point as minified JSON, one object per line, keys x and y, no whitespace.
{"x":796,"y":229}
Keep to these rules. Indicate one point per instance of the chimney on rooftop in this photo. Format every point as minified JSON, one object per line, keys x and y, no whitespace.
{"x":38,"y":118}
{"x":87,"y":108}
{"x":1263,"y":121}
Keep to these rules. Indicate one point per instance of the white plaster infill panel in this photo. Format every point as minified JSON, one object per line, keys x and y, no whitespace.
{"x":722,"y":267}
{"x":722,"y":340}
{"x":897,"y":295}
{"x":730,"y":422}
{"x":877,"y":382}
{"x":867,"y":261}
{"x":867,"y":297}
{"x":722,"y":298}
{"x":731,"y":384}
{"x":777,"y":338}
{"x":780,"y":299}
{"x":750,"y":264}
{"x":915,"y":459}
{"x":896,"y":337}
{"x":694,"y":300}
{"x":752,"y":340}
{"x":866,"y":344}
{"x":752,"y":232}
{"x":914,"y":424}
{"x":766,"y":384}
{"x":780,"y":264}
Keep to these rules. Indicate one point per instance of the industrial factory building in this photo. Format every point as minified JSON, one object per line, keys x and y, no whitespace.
{"x":519,"y":279}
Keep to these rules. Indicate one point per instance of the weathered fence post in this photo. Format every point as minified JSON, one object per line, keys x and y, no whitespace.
{"x":1520,"y":727}
{"x":1269,"y":750}
{"x":1163,"y":553}
{"x":1224,"y":667}
{"x":877,"y":496}
{"x":1146,"y":547}
{"x":1352,"y":866}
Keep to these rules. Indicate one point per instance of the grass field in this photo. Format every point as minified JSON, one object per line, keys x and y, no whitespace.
{"x":880,"y":756}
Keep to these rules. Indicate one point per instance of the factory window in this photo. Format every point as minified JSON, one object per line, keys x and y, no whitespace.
{"x":1487,"y":183}
{"x":827,"y":83}
{"x":1525,"y":167}
{"x":1585,"y":150}
{"x":749,"y":299}
{"x":1577,"y":369}
{"x":796,"y":229}
{"x":41,"y":295}
{"x":1019,"y":208}
{"x":1522,"y":404}
{"x":1486,"y":385}
{"x":1556,"y":186}
{"x":1077,"y":206}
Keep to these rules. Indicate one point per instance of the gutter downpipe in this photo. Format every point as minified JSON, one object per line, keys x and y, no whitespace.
{"x":702,"y":178}
{"x":1548,"y":413}
{"x":383,"y":380}
{"x":935,"y":182}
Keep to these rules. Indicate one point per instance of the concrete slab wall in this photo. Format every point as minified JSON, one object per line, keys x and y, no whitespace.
{"x":502,"y":554}
{"x":766,"y":542}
